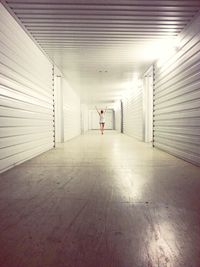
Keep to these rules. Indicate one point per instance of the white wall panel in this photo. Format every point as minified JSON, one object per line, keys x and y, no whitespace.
{"x":118,"y":116}
{"x":26,"y":96}
{"x":58,"y":96}
{"x":177,"y":99}
{"x":84,"y":118}
{"x":148,"y":105}
{"x":94,"y":120}
{"x":71,"y":111}
{"x":133,"y":112}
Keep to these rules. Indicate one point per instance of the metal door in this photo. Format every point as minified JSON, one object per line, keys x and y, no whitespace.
{"x":177,"y":99}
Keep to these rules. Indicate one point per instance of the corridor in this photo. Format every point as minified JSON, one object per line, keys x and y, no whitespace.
{"x":100,"y":201}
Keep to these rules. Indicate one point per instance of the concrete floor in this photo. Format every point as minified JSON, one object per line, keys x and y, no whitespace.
{"x":101,"y":201}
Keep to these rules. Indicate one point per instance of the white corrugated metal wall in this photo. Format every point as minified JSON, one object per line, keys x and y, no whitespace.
{"x":117,"y":110}
{"x":71,"y":111}
{"x":29,"y":85}
{"x":177,"y":99}
{"x":58,"y":96}
{"x":26,"y":96}
{"x":84,"y":118}
{"x":133,"y":112}
{"x":148,"y":105}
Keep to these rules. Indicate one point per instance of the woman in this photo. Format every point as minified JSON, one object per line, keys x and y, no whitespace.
{"x":101,"y":119}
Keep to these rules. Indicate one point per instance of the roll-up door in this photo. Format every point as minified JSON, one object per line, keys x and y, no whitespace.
{"x":26,"y":96}
{"x":133,"y":114}
{"x":177,"y":100}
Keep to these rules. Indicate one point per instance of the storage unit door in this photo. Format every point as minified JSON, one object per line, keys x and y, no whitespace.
{"x":177,"y":101}
{"x":109,"y":120}
{"x":133,"y":114}
{"x":26,"y":96}
{"x":117,"y":117}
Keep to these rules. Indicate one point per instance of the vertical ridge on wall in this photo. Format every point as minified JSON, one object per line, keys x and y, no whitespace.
{"x":148,"y":104}
{"x":54,"y":122}
{"x":177,"y":100}
{"x":26,"y":96}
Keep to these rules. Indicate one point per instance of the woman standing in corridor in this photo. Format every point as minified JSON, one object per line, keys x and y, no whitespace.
{"x":101,"y":119}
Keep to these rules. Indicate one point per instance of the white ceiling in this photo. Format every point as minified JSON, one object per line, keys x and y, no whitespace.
{"x":100,"y":44}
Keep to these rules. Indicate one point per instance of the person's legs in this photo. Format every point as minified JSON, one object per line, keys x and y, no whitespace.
{"x":103,"y":124}
{"x":100,"y":127}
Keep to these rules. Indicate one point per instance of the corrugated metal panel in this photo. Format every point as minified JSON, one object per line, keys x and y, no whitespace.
{"x":71,"y":112}
{"x":26,"y":96}
{"x":177,"y":99}
{"x":69,"y":23}
{"x":84,"y":118}
{"x":59,"y":135}
{"x":133,"y":113}
{"x":124,"y":112}
{"x":104,"y":37}
{"x":148,"y":105}
{"x":118,"y":117}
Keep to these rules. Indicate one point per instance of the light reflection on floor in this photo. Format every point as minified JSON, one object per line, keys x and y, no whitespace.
{"x":101,"y":201}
